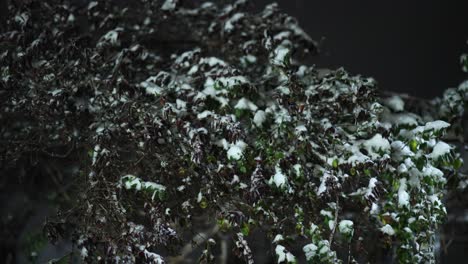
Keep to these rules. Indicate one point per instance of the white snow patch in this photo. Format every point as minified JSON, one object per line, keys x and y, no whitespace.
{"x":440,"y":149}
{"x":388,"y":229}
{"x":401,"y":150}
{"x":204,"y":114}
{"x":395,"y":103}
{"x":281,"y":55}
{"x":403,"y":196}
{"x":245,"y":104}
{"x":376,"y":143}
{"x":236,"y":150}
{"x":278,"y":238}
{"x":310,"y":250}
{"x":279,"y":179}
{"x":259,"y":118}
{"x":229,"y":26}
{"x":284,"y":255}
{"x":346,"y":227}
{"x":168,"y":5}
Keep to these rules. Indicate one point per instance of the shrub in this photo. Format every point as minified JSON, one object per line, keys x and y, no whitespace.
{"x":184,"y":113}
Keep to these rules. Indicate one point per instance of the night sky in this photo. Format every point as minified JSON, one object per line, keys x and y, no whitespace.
{"x":407,"y":46}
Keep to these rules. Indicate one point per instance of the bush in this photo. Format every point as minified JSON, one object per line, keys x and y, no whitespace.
{"x":198,"y":123}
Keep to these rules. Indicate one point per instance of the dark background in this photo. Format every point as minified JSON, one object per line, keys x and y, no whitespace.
{"x":407,"y":46}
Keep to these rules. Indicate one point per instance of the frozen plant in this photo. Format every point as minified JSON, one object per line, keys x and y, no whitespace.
{"x":178,"y":111}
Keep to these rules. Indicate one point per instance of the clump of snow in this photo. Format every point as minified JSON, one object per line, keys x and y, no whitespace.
{"x":297,"y":169}
{"x":395,"y":103}
{"x":439,"y":150}
{"x":131,"y":182}
{"x":431,"y":126}
{"x":153,"y":257}
{"x":245,"y":104}
{"x":213,"y":61}
{"x":204,"y":114}
{"x":259,"y":118}
{"x":281,"y":54}
{"x":229,"y":82}
{"x":375,"y":144}
{"x":150,"y":87}
{"x":284,"y":255}
{"x":235,"y":151}
{"x":370,"y":187}
{"x":111,"y":37}
{"x":283,"y":89}
{"x":229,"y":25}
{"x":169,"y":5}
{"x":434,"y":173}
{"x":403,"y":196}
{"x":388,"y":229}
{"x":346,"y":227}
{"x":321,"y":250}
{"x":310,"y":250}
{"x":326,"y":178}
{"x":300,"y":129}
{"x":436,"y":125}
{"x":278,"y":238}
{"x":279,"y":179}
{"x":401,"y":150}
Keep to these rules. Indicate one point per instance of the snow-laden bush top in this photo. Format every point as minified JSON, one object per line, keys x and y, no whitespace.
{"x":180,"y":112}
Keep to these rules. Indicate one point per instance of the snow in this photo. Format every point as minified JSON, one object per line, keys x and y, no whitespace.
{"x":153,"y":257}
{"x":282,"y":116}
{"x":168,"y":5}
{"x":259,"y":118}
{"x":346,"y":227}
{"x":401,"y":150}
{"x":283,"y":89}
{"x":131,"y":182}
{"x":357,"y":156}
{"x":323,"y":184}
{"x":284,"y":255}
{"x":83,"y":252}
{"x":280,"y":55}
{"x":431,"y":126}
{"x":204,"y":114}
{"x":229,"y":82}
{"x":388,"y":229}
{"x":440,"y":149}
{"x":112,"y":36}
{"x":150,"y":87}
{"x":229,"y":26}
{"x":245,"y":104}
{"x":395,"y":103}
{"x":55,"y":92}
{"x":403,"y":196}
{"x":374,"y":209}
{"x":279,"y":179}
{"x":181,"y":105}
{"x":370,"y":187}
{"x":433,"y":172}
{"x":299,"y":129}
{"x":212,"y":61}
{"x":297,"y":169}
{"x":376,"y":143}
{"x":92,"y":4}
{"x":278,"y":238}
{"x":402,"y":119}
{"x":235,"y":152}
{"x":436,"y":125}
{"x":310,"y":250}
